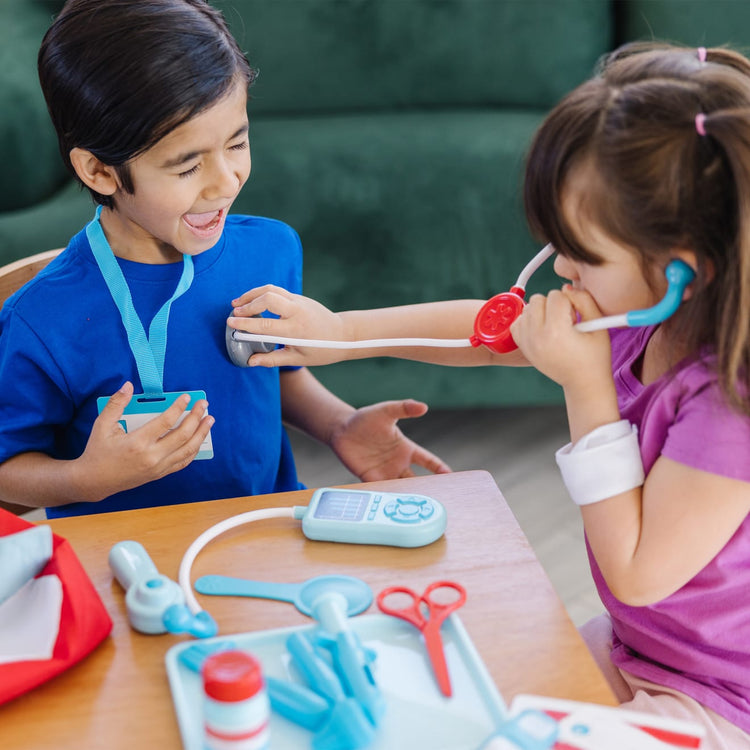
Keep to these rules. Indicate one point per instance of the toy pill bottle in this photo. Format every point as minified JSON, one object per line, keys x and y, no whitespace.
{"x":236,"y":709}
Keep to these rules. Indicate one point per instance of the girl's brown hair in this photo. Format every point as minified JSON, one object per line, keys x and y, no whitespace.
{"x":658,"y":185}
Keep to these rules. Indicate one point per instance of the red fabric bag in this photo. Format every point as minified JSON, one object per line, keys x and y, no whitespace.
{"x":84,"y":622}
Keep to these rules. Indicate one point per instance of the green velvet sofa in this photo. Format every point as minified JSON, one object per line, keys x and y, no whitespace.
{"x":389,"y":133}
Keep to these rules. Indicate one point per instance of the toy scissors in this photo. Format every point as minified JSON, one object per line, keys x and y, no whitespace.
{"x":428,"y":624}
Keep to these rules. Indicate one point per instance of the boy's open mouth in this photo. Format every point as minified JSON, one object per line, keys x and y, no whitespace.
{"x":204,"y":223}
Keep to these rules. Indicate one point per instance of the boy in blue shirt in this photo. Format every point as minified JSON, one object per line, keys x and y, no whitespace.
{"x":110,"y":357}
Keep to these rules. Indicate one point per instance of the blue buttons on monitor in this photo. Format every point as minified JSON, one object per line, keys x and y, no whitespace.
{"x":409,"y":509}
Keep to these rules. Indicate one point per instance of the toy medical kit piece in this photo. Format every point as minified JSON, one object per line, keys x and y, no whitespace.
{"x":587,"y":726}
{"x":346,"y":727}
{"x":23,"y":555}
{"x":356,"y":594}
{"x":297,"y":703}
{"x":241,"y":344}
{"x":194,"y":656}
{"x":679,"y":275}
{"x":363,"y":517}
{"x":155,"y":604}
{"x":192,"y":608}
{"x":493,"y":321}
{"x":240,"y":349}
{"x":351,"y":661}
{"x":51,"y":616}
{"x":236,"y":710}
{"x":148,"y":593}
{"x":307,"y":707}
{"x":30,"y":606}
{"x":491,"y":325}
{"x":530,"y":730}
{"x":417,"y":714}
{"x":603,"y":463}
{"x":428,"y":624}
{"x":588,"y":729}
{"x":290,"y":700}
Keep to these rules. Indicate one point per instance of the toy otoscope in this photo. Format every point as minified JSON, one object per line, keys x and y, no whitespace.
{"x":492,"y":323}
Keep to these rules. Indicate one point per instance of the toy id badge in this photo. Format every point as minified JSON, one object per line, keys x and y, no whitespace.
{"x":143,"y":409}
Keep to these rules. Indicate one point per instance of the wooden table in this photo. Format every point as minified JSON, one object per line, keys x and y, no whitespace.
{"x":119,"y":696}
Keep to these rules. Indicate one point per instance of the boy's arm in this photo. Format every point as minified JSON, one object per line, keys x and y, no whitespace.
{"x":112,"y":461}
{"x":367,"y":440}
{"x":302,"y":317}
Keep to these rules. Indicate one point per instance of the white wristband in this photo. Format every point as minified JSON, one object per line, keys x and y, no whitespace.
{"x":602,"y":464}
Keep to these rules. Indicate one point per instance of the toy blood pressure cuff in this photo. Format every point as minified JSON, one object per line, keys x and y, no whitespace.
{"x":50,"y":614}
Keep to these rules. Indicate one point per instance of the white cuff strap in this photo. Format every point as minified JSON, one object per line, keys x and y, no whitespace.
{"x":602,"y":464}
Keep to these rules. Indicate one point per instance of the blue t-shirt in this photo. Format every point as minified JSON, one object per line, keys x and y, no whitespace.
{"x":63,"y":345}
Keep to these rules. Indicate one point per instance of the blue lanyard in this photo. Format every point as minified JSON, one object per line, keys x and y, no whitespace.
{"x":148,"y":351}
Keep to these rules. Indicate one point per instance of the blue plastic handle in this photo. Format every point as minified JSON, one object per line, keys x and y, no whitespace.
{"x":679,"y":275}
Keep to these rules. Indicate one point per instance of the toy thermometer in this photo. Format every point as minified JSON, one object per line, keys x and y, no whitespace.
{"x":363,"y":517}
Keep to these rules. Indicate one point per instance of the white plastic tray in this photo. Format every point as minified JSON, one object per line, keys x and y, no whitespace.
{"x":417,"y":714}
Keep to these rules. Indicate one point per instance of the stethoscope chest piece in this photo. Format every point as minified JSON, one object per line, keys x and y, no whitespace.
{"x":240,"y":351}
{"x":493,"y":321}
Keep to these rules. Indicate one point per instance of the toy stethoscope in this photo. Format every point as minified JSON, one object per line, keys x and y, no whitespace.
{"x":491,"y":325}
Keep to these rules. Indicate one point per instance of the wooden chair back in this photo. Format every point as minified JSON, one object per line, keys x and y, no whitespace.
{"x":12,"y":277}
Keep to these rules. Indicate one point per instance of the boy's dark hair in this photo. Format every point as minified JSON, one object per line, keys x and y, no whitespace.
{"x":118,"y":75}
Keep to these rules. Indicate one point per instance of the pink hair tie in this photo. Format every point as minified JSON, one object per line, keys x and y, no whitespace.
{"x":702,"y":54}
{"x":700,"y":123}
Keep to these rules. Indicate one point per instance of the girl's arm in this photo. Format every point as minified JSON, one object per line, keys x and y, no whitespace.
{"x":367,"y":440}
{"x":649,"y":541}
{"x":302,"y":317}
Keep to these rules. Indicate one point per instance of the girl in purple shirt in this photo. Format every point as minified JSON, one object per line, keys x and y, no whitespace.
{"x":647,"y":162}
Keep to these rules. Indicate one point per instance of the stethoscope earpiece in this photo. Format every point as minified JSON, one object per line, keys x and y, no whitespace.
{"x":679,"y":274}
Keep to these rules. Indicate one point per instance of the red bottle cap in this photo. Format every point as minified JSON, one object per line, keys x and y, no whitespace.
{"x":492,"y":324}
{"x":232,"y":676}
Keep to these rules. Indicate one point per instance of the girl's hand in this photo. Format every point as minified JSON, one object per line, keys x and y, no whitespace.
{"x":115,"y":460}
{"x":546,"y":335}
{"x":298,"y":317}
{"x":372,"y":447}
{"x":580,"y":362}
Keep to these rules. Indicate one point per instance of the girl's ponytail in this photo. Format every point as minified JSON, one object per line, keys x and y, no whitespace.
{"x":730,"y":130}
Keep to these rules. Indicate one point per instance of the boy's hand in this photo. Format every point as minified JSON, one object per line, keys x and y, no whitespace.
{"x":372,"y":447}
{"x":115,"y":460}
{"x":298,"y":317}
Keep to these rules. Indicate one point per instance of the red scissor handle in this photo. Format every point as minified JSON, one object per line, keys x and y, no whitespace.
{"x":437,"y":611}
{"x":411,"y":613}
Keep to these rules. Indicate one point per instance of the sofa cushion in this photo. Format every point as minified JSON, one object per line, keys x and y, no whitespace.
{"x":693,"y":23}
{"x":333,"y":55}
{"x":32,"y":167}
{"x":398,"y":208}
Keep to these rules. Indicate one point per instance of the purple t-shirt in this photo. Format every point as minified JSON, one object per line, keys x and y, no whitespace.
{"x":698,"y":639}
